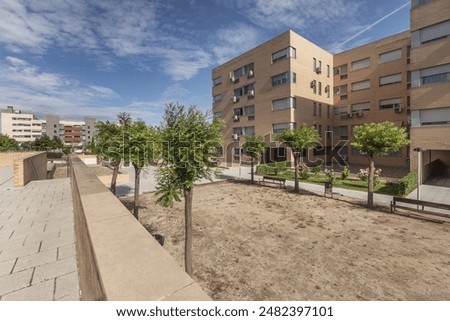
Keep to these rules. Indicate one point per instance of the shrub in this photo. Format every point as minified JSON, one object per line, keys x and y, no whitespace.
{"x":364,"y":175}
{"x":304,"y":173}
{"x":263,"y":169}
{"x":279,"y":168}
{"x":345,"y":173}
{"x":316,"y":169}
{"x":407,"y":184}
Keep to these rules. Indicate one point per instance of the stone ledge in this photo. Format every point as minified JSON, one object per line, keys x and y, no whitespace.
{"x":129,"y":263}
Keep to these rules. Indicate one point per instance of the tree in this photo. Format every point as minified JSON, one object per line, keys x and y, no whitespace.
{"x":7,"y":143}
{"x":141,"y":146}
{"x":190,"y":138}
{"x":45,"y":143}
{"x":254,"y":147}
{"x":299,"y":140}
{"x":378,"y":139}
{"x":108,"y":146}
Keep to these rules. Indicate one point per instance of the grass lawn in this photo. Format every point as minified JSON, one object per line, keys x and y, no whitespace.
{"x":354,"y":184}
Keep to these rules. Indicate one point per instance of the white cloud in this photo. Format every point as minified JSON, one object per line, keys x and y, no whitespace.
{"x":117,"y":28}
{"x":23,"y":84}
{"x":234,"y":40}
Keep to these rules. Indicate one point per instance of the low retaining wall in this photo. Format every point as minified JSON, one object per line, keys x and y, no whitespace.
{"x":117,"y":258}
{"x":28,"y":166}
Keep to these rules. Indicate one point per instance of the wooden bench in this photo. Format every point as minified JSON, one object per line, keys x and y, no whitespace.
{"x":274,"y":180}
{"x":420,"y":208}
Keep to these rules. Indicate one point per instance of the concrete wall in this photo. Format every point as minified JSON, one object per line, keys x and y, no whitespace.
{"x":118,"y":258}
{"x":28,"y":166}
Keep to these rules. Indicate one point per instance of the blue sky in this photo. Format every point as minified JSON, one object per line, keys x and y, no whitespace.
{"x":80,"y":58}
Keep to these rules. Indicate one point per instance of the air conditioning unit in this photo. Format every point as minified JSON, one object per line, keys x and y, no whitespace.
{"x":398,"y":109}
{"x":250,"y":73}
{"x":313,"y":84}
{"x":236,"y":118}
{"x":318,"y":70}
{"x":232,"y":79}
{"x":359,"y":113}
{"x":349,"y":115}
{"x":327,"y":88}
{"x":235,"y":136}
{"x":251,"y":94}
{"x":234,"y":99}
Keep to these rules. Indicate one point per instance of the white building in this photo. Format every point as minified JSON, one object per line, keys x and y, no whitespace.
{"x":21,"y":127}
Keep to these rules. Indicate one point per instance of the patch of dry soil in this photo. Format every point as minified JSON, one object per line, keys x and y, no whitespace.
{"x":261,"y":243}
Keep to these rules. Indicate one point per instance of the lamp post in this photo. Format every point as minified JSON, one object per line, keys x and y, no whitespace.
{"x":419,"y":151}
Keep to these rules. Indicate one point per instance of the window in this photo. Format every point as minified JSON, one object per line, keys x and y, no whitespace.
{"x":320,"y":110}
{"x":217,"y":114}
{"x":390,"y":103}
{"x":217,"y":98}
{"x":434,"y":79}
{"x":391,"y":79}
{"x":390,"y":56}
{"x":340,"y":70}
{"x":432,"y":33}
{"x":429,"y":117}
{"x":360,"y":64}
{"x":315,"y":109}
{"x":438,"y":74}
{"x":314,"y":64}
{"x":284,"y":103}
{"x":341,"y":132}
{"x":320,"y":88}
{"x":328,"y":111}
{"x":340,"y":90}
{"x":288,"y":52}
{"x":217,"y":81}
{"x":244,"y":111}
{"x":328,"y":71}
{"x":243,"y":70}
{"x":283,"y":78}
{"x":279,"y":128}
{"x":361,"y":107}
{"x":244,"y":90}
{"x":361,"y":85}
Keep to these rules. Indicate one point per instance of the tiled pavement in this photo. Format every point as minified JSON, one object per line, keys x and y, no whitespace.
{"x":37,"y":242}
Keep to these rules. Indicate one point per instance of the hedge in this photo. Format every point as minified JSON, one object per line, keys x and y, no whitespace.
{"x":407,"y":184}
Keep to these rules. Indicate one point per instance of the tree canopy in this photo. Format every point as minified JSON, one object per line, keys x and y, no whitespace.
{"x":378,"y":139}
{"x":299,"y":139}
{"x":7,"y":143}
{"x":254,"y":147}
{"x":189,"y":138}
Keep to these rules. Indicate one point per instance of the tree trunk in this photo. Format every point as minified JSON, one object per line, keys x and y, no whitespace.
{"x":252,"y":172}
{"x":188,"y":193}
{"x":371,"y":181}
{"x":114,"y":177}
{"x":137,"y":178}
{"x":296,"y":173}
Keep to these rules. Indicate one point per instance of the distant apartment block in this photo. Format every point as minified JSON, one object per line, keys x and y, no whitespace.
{"x":25,"y":127}
{"x":287,"y":81}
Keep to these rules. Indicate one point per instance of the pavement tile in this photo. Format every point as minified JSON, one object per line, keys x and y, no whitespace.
{"x":56,"y":242}
{"x":67,"y":251}
{"x":54,"y":269}
{"x":37,"y":259}
{"x":41,"y":236}
{"x":15,"y":281}
{"x":75,"y":296}
{"x":13,"y":242}
{"x":15,"y":252}
{"x":66,"y":285}
{"x":39,"y":292}
{"x":6,"y":267}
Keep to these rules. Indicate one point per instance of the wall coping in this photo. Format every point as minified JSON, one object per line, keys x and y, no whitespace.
{"x":130,"y":263}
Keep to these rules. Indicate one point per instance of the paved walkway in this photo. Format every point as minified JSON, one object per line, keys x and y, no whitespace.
{"x":37,"y":242}
{"x":6,"y":177}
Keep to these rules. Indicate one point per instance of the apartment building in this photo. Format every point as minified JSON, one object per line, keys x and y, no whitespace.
{"x":371,"y":84}
{"x":277,"y":85}
{"x":23,"y":127}
{"x":430,"y":85}
{"x":288,"y":81}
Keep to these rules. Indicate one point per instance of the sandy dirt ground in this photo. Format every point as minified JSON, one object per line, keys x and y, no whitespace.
{"x":262,"y":243}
